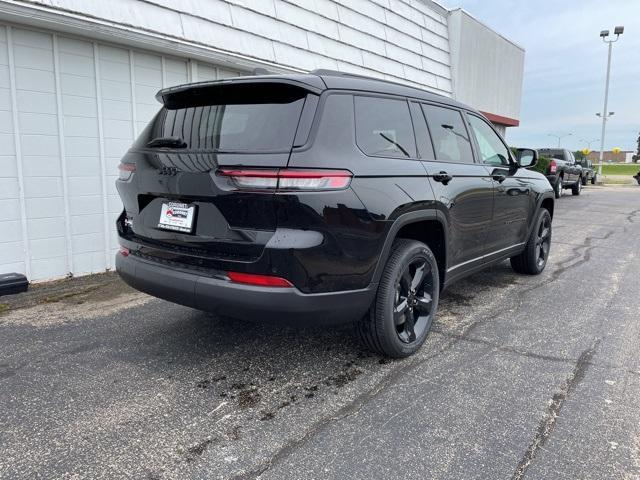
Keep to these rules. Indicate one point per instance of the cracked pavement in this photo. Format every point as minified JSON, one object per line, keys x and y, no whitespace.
{"x":521,"y":377}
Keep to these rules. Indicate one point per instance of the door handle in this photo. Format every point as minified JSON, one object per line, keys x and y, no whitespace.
{"x":442,"y":177}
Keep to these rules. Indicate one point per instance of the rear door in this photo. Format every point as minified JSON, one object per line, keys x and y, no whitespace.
{"x":462,"y":187}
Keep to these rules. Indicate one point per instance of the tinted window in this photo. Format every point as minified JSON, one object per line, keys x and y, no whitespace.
{"x":492,"y":150}
{"x":383,"y":127}
{"x":550,"y":152}
{"x":450,"y":140}
{"x":231,"y":119}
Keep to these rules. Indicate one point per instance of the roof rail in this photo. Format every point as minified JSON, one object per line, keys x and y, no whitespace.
{"x":336,"y":73}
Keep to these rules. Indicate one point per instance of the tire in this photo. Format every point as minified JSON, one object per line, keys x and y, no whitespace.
{"x":593,"y":180}
{"x":584,"y":181}
{"x":558,"y":190}
{"x":577,"y":187}
{"x":534,"y":257}
{"x":406,"y":302}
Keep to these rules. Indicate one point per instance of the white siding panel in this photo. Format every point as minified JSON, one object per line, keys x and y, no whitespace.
{"x":8,"y":167}
{"x":42,"y":228}
{"x":9,"y":252}
{"x":35,"y":102}
{"x":11,"y":234}
{"x":9,"y":188}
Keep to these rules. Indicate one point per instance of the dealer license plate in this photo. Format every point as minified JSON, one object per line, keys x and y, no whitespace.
{"x":177,"y":216}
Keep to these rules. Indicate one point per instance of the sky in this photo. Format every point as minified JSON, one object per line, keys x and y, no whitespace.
{"x":565,"y":68}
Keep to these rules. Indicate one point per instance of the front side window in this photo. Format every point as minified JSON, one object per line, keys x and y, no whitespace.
{"x":492,"y":150}
{"x":384,"y":128}
{"x":450,"y":139}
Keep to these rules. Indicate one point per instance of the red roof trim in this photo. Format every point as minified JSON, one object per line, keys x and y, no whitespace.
{"x":509,"y":122}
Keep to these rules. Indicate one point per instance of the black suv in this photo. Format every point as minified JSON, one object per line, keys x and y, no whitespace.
{"x":324,"y":198}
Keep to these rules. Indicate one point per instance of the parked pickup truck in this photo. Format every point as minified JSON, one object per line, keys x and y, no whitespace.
{"x":588,"y":172}
{"x":563,"y":171}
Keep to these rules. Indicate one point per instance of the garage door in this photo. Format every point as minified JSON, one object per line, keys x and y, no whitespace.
{"x":69,"y":109}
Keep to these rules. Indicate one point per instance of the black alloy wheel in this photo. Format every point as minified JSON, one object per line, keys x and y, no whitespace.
{"x":413,"y":301}
{"x":406,"y":302}
{"x":533,"y":259}
{"x":543,"y":242}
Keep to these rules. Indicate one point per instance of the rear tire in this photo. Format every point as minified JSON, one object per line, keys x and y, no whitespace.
{"x":593,"y":180}
{"x":558,"y":189}
{"x":577,"y":187}
{"x":534,"y":257}
{"x":584,"y":181}
{"x":406,"y":303}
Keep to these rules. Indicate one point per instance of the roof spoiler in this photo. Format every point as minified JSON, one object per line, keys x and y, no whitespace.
{"x":238,"y":89}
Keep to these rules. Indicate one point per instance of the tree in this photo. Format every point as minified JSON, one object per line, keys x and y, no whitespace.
{"x":636,"y":157}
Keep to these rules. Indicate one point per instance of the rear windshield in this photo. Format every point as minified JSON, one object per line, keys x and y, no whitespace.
{"x":231,"y":118}
{"x":559,"y":154}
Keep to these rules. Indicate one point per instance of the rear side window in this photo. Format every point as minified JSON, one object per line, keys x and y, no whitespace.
{"x":229,"y":119}
{"x":450,"y":139}
{"x":384,"y":128}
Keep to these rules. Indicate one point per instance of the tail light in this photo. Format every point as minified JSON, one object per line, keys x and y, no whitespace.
{"x":124,"y":251}
{"x":259,"y":280}
{"x":125,"y":170}
{"x":288,"y":179}
{"x":553,"y":166}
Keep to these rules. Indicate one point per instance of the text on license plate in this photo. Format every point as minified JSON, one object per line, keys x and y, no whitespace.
{"x":177,"y":216}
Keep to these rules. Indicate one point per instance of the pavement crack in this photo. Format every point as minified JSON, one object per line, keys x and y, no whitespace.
{"x":502,"y":348}
{"x":571,"y":262}
{"x":548,"y":422}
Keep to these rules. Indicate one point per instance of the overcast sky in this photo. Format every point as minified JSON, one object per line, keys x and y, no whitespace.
{"x":565,"y":65}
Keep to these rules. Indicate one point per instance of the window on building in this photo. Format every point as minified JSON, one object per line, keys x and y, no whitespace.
{"x":383,"y":127}
{"x":450,"y":139}
{"x":492,"y":150}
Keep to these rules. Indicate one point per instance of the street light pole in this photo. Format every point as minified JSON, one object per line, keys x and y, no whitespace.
{"x":589,"y":142}
{"x":604,"y":34}
{"x":559,"y":137}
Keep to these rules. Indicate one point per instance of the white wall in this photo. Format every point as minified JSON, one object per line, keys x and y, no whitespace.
{"x":402,"y":40}
{"x":487,"y":68}
{"x":69,"y":109}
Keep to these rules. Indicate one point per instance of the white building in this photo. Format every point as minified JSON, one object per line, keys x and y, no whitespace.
{"x":78,"y":79}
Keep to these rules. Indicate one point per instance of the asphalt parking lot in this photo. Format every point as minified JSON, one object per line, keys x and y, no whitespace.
{"x":521,"y":377}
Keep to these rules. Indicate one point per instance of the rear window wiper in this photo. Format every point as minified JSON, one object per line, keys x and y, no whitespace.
{"x":168,"y":142}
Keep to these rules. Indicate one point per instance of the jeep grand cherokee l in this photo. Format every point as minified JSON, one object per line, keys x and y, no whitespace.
{"x":324,"y":198}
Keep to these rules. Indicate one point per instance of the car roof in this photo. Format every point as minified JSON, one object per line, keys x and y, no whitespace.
{"x":318,"y":81}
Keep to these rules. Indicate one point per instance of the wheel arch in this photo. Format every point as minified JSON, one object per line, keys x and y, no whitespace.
{"x":429,"y":227}
{"x":549,"y":204}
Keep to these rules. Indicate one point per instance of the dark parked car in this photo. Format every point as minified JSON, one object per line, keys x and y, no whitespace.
{"x":563,"y":171}
{"x":588,"y":172}
{"x":324,"y":198}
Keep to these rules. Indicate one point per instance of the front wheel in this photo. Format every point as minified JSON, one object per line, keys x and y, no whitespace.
{"x":534,"y":257}
{"x":584,"y":181}
{"x":577,"y":187}
{"x":593,"y":180}
{"x":400,"y":318}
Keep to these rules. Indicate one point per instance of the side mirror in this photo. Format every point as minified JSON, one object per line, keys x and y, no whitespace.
{"x":527,"y":157}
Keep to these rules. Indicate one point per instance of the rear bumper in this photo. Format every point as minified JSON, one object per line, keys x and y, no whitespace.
{"x":219,"y":295}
